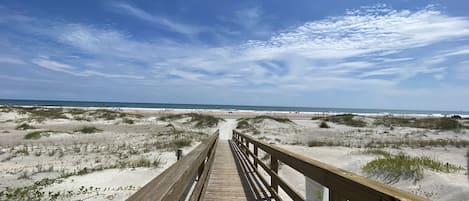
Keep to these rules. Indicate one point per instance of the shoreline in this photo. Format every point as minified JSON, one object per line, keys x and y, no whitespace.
{"x":234,"y":113}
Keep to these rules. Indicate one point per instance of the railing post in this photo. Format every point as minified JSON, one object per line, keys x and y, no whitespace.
{"x":274,"y":168}
{"x":201,"y":170}
{"x":247,"y":149}
{"x":255,"y":155}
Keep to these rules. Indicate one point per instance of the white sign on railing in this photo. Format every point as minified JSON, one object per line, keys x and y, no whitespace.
{"x":315,"y":191}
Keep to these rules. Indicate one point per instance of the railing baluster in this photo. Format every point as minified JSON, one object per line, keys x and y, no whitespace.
{"x":274,"y":168}
{"x":255,"y":155}
{"x":247,"y":148}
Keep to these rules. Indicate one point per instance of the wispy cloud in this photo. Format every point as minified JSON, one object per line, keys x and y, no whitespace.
{"x":158,"y":20}
{"x":65,"y":68}
{"x":11,"y":60}
{"x":365,"y":49}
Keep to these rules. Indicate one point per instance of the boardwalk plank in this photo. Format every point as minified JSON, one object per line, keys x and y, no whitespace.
{"x":225,"y":181}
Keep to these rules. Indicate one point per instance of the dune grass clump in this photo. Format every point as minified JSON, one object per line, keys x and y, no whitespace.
{"x":318,"y":143}
{"x":393,"y":168}
{"x":179,"y":143}
{"x":418,"y":143}
{"x":378,"y":152}
{"x":174,"y":144}
{"x":88,"y":130}
{"x":37,"y":134}
{"x":199,"y":120}
{"x":34,"y":192}
{"x":41,"y":114}
{"x":248,"y":124}
{"x":442,"y":123}
{"x":244,"y":124}
{"x":346,"y":119}
{"x":260,"y":118}
{"x":323,"y":124}
{"x":24,"y":126}
{"x":128,"y":121}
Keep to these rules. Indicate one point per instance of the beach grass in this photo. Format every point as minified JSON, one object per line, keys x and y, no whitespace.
{"x":323,"y":124}
{"x":128,"y":121}
{"x":249,"y":124}
{"x":199,"y":120}
{"x":37,"y":134}
{"x":260,"y":118}
{"x":346,"y":119}
{"x":378,"y":152}
{"x":392,"y":168}
{"x":438,"y":123}
{"x":24,"y":126}
{"x":88,"y":130}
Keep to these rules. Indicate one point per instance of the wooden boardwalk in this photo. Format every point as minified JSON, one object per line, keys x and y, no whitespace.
{"x":230,"y":179}
{"x":234,"y":170}
{"x":225,"y":179}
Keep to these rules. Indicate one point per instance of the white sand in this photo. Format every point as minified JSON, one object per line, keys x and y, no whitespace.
{"x":125,"y":142}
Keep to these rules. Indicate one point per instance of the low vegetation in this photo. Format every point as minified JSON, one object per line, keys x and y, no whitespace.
{"x":24,"y":126}
{"x":378,"y":152}
{"x":248,"y":124}
{"x":88,"y":130}
{"x":199,"y":120}
{"x":443,"y":123}
{"x":392,"y":168}
{"x":37,"y":134}
{"x":323,"y":124}
{"x":128,"y":121}
{"x":259,"y":119}
{"x":40,"y":114}
{"x":346,"y":119}
{"x":374,"y":144}
{"x":174,"y":144}
{"x":319,"y":143}
{"x":418,"y":143}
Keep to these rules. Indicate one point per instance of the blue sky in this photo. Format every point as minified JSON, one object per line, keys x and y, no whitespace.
{"x":361,"y":54}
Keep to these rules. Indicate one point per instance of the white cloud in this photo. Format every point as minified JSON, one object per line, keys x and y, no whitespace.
{"x":162,"y":21}
{"x":356,"y":51}
{"x":65,"y":68}
{"x":11,"y":60}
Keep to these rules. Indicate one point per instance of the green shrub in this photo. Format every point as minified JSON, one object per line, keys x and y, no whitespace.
{"x":24,"y":126}
{"x":323,"y":124}
{"x":88,"y":129}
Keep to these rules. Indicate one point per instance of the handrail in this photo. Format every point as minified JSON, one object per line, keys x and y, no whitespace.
{"x":178,"y":180}
{"x":343,"y":185}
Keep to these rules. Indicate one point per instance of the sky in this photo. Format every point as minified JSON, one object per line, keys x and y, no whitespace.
{"x":398,"y":54}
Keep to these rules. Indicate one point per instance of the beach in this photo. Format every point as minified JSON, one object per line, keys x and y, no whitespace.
{"x":109,"y":153}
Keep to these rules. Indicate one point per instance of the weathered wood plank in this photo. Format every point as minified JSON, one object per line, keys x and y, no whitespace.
{"x":225,"y":182}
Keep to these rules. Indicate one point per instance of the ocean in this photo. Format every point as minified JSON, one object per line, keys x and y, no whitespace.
{"x":225,"y":107}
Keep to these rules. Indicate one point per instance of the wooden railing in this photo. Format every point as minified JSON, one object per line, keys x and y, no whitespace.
{"x":342,"y":185}
{"x":184,"y":180}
